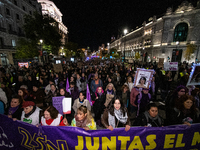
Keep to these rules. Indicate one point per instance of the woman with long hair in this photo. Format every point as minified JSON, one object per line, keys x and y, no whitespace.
{"x":110,"y":93}
{"x":23,"y":94}
{"x":184,"y":112}
{"x":84,"y":119}
{"x":116,"y":115}
{"x":52,"y":117}
{"x":173,"y":99}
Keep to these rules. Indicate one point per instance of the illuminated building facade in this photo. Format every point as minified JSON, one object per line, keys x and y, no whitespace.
{"x":50,"y":9}
{"x":165,"y":37}
{"x":11,"y":25}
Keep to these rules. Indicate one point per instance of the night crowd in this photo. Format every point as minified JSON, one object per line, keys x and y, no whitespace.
{"x":27,"y":95}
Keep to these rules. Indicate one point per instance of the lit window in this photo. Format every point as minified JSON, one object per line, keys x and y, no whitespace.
{"x":181,"y":32}
{"x":13,"y":43}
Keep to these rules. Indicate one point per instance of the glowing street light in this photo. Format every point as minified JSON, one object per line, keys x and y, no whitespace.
{"x":125,"y":31}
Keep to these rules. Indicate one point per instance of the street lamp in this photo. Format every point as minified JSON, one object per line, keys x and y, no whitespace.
{"x":41,"y":41}
{"x":125,"y":31}
{"x":143,"y":54}
{"x":108,"y":44}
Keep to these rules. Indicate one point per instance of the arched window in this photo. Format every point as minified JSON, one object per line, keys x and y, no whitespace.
{"x":181,"y":32}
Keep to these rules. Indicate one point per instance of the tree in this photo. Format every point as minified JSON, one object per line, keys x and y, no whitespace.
{"x":137,"y":55}
{"x":42,"y":27}
{"x":26,"y":49}
{"x":71,"y":49}
{"x":189,"y":51}
{"x":113,"y":51}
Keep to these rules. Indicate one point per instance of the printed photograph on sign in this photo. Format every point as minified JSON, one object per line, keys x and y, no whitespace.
{"x":194,"y":76}
{"x":143,"y":78}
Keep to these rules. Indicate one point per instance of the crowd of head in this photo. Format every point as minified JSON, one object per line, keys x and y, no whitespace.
{"x":115,"y":102}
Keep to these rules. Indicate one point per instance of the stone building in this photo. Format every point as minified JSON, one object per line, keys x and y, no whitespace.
{"x":165,"y":37}
{"x":50,"y":9}
{"x":11,"y":25}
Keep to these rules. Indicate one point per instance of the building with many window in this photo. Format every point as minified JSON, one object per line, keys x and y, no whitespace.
{"x":11,"y":25}
{"x":50,"y":9}
{"x":165,"y":37}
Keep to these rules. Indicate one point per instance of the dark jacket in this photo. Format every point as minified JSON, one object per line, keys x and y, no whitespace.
{"x":17,"y":114}
{"x":177,"y":117}
{"x":38,"y":96}
{"x":98,"y":106}
{"x":144,"y":120}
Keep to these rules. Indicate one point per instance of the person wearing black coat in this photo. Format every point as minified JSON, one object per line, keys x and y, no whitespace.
{"x":149,"y":118}
{"x":98,"y":105}
{"x":184,"y":112}
{"x":15,"y":110}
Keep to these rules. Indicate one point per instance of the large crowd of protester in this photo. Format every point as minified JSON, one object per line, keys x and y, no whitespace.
{"x":27,"y":95}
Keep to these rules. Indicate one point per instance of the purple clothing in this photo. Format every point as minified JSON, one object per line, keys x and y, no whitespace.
{"x":12,"y":110}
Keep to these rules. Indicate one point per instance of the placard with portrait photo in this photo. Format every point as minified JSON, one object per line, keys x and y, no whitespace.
{"x":143,"y":78}
{"x":194,"y":75}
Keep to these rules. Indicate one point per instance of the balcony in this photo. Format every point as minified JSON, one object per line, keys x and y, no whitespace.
{"x":2,"y":29}
{"x":7,"y":47}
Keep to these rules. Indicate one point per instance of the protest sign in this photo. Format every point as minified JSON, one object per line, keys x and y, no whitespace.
{"x":160,"y":62}
{"x":171,"y":66}
{"x":67,"y":105}
{"x":57,"y":103}
{"x":23,"y":64}
{"x":58,"y":68}
{"x":15,"y":135}
{"x":194,"y":78}
{"x":143,"y":78}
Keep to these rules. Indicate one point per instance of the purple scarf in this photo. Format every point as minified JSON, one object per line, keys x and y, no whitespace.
{"x":12,"y":110}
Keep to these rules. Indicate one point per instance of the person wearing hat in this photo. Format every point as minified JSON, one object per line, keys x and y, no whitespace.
{"x":37,"y":95}
{"x":31,"y":113}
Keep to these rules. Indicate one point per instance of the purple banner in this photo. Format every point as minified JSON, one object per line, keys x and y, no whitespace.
{"x":16,"y":135}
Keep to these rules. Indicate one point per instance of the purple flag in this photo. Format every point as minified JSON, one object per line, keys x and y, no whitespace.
{"x":88,"y":96}
{"x":67,"y":85}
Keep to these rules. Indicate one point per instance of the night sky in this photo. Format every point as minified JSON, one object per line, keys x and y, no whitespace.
{"x":93,"y":22}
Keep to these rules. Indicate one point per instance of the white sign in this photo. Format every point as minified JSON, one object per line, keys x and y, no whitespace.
{"x":143,"y":78}
{"x":171,"y":66}
{"x":23,"y":64}
{"x":66,"y":103}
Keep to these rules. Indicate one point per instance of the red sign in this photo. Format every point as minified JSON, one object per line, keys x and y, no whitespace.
{"x":177,"y":53}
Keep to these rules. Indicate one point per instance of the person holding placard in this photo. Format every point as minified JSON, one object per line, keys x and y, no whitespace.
{"x":81,"y":101}
{"x":84,"y":119}
{"x":52,"y":117}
